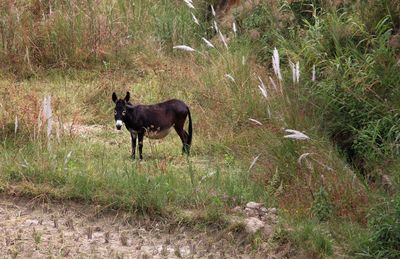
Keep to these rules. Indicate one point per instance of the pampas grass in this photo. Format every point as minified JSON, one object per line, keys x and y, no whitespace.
{"x":216,"y":26}
{"x":189,"y":4}
{"x":234,"y":28}
{"x":209,"y":44}
{"x":295,"y":134}
{"x":276,"y":65}
{"x":273,"y":83}
{"x":295,"y":71}
{"x":47,"y":114}
{"x":230,"y":77}
{"x":313,"y":78}
{"x":213,"y":11}
{"x":262,"y":88}
{"x":255,"y":121}
{"x":16,"y":125}
{"x":254,"y":162}
{"x":222,"y":37}
{"x":185,"y":48}
{"x":195,"y":19}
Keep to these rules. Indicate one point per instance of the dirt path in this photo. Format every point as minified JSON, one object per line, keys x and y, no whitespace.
{"x":37,"y":229}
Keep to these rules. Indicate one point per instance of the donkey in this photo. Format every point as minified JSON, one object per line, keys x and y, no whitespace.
{"x":153,"y":121}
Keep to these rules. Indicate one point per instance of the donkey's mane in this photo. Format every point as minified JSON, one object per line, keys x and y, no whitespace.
{"x":130,"y":106}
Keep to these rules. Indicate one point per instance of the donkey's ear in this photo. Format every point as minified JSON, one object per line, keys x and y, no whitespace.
{"x":128,"y":95}
{"x":114,"y":97}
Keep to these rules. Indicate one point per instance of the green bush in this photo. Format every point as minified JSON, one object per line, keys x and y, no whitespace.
{"x":321,"y":207}
{"x":384,"y":224}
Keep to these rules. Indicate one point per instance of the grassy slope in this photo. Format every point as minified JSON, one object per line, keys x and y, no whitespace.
{"x":217,"y":175}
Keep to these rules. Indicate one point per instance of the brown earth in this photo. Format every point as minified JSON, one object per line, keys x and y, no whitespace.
{"x":38,"y":228}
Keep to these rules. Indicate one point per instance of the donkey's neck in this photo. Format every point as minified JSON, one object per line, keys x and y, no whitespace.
{"x":130,"y":118}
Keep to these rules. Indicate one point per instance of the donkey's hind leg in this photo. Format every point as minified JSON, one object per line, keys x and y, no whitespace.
{"x":184,"y":138}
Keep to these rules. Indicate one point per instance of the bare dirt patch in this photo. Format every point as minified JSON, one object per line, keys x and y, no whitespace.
{"x":37,"y":228}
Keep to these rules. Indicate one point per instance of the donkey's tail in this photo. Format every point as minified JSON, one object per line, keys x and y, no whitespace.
{"x":189,"y":141}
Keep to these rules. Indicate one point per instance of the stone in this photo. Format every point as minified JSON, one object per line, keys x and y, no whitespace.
{"x":250,"y":212}
{"x":268,"y":230}
{"x":253,"y":205}
{"x":253,"y":224}
{"x":237,"y":209}
{"x":254,"y":34}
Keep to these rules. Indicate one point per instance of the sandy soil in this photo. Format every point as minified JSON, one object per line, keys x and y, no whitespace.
{"x":34,"y":228}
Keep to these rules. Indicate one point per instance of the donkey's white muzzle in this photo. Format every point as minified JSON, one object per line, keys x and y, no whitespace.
{"x":118,"y":124}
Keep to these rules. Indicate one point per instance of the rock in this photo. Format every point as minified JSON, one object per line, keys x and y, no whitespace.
{"x":253,"y":224}
{"x":250,"y":212}
{"x":31,"y":222}
{"x":272,"y":210}
{"x":394,"y":41}
{"x":387,"y":184}
{"x":254,"y":34}
{"x":237,"y":209}
{"x":268,"y":230}
{"x":264,"y":210}
{"x":253,"y":205}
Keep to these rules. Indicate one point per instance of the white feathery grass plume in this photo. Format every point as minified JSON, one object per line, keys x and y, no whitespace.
{"x":262,"y":88}
{"x":254,"y":161}
{"x":189,"y":4}
{"x":261,"y":82}
{"x":243,"y":61}
{"x":255,"y":121}
{"x":276,"y":65}
{"x":263,"y":91}
{"x":223,"y":39}
{"x":293,"y":68}
{"x":67,"y":159}
{"x":230,"y":77}
{"x":195,"y":19}
{"x":49,"y":117}
{"x":234,"y":28}
{"x":213,"y":11}
{"x":273,"y":84}
{"x":58,"y":133}
{"x":209,"y":44}
{"x":184,"y":47}
{"x":295,"y":71}
{"x":206,"y":176}
{"x":16,"y":125}
{"x":303,"y":156}
{"x":295,"y":134}
{"x":313,"y":73}
{"x":216,"y":26}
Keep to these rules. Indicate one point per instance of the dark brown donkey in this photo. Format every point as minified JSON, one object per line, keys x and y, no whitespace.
{"x":153,"y":121}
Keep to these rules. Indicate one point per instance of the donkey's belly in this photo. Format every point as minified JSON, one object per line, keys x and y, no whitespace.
{"x":157,"y":134}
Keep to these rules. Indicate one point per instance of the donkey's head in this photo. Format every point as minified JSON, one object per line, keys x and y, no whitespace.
{"x":120,"y":109}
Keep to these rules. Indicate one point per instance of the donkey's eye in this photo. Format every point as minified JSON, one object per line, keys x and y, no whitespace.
{"x":115,"y":112}
{"x":123,"y":113}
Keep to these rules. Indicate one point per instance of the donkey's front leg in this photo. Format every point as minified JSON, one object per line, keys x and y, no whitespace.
{"x":140,"y":136}
{"x":133,"y":139}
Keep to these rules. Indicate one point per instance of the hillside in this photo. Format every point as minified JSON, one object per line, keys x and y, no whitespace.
{"x":294,"y":105}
